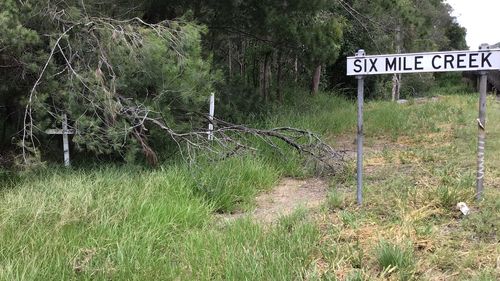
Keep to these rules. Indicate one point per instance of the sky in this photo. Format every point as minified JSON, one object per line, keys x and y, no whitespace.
{"x":480,"y":18}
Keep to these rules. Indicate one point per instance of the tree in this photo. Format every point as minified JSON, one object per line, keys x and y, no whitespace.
{"x":116,"y":79}
{"x":420,"y":25}
{"x":322,"y":41}
{"x":107,"y":63}
{"x":20,"y":54}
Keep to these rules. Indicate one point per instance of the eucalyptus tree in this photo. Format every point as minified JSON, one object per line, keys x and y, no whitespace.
{"x":391,"y":26}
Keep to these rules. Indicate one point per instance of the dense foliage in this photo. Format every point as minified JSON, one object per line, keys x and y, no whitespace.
{"x":108,"y":65}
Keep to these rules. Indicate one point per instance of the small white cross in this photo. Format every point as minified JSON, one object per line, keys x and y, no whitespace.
{"x":65,"y":132}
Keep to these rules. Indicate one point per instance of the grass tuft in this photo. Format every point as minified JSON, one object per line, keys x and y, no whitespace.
{"x":232,"y":184}
{"x":334,"y":200}
{"x":391,"y":256}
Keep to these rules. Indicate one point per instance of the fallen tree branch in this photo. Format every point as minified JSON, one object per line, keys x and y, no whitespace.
{"x":229,"y":139}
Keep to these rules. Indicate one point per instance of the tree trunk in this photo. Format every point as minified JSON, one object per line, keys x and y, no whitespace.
{"x":262,"y":79}
{"x":396,"y":79}
{"x":265,"y":76}
{"x":296,"y":69}
{"x":268,"y":73}
{"x":396,"y":86}
{"x":242,"y":59}
{"x":315,"y":80}
{"x":4,"y":132}
{"x":255,"y":72}
{"x":279,"y":93}
{"x":229,"y":58}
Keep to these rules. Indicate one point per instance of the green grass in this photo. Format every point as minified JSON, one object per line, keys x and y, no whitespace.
{"x":130,"y":223}
{"x":334,"y":200}
{"x":391,"y":257}
{"x":232,"y":184}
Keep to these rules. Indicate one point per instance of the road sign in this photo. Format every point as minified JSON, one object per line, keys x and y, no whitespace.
{"x":424,"y":62}
{"x":481,"y":61}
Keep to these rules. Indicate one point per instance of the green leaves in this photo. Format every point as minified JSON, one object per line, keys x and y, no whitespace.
{"x":118,"y":57}
{"x":158,"y":70}
{"x":14,"y":36}
{"x":106,"y":74}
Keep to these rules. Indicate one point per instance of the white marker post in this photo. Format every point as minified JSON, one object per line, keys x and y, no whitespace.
{"x":65,"y":132}
{"x":211,"y":117}
{"x":483,"y":60}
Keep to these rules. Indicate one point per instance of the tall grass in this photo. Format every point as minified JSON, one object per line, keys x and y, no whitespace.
{"x":323,"y":114}
{"x":332,"y":115}
{"x":232,"y":184}
{"x":245,"y":251}
{"x":57,"y":225}
{"x":130,"y":223}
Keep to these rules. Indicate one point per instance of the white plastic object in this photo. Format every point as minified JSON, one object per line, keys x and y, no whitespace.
{"x":463,"y":208}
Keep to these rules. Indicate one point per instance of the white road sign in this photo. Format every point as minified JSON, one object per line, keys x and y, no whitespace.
{"x":424,"y":62}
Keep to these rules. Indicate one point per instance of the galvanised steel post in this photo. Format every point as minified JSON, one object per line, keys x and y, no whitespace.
{"x":481,"y":121}
{"x":359,"y":138}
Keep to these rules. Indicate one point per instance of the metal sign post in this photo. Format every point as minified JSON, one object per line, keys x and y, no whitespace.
{"x":359,"y":139}
{"x":481,"y":121}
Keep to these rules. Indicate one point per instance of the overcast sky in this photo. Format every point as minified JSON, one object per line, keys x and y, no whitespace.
{"x":480,"y":17}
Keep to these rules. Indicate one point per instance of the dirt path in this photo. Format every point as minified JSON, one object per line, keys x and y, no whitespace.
{"x":285,"y":198}
{"x":291,"y":193}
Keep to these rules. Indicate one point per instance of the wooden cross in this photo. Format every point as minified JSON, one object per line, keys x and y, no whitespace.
{"x":65,"y":132}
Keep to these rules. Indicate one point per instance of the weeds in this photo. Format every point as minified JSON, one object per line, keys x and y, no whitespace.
{"x":484,"y":224}
{"x":393,"y":256}
{"x":334,"y":200}
{"x":356,"y":276}
{"x":232,"y":184}
{"x":123,"y":223}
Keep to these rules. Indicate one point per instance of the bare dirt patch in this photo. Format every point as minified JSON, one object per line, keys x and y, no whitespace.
{"x":291,"y":193}
{"x":285,"y":198}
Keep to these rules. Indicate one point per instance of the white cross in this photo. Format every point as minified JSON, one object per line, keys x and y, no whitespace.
{"x":65,"y":132}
